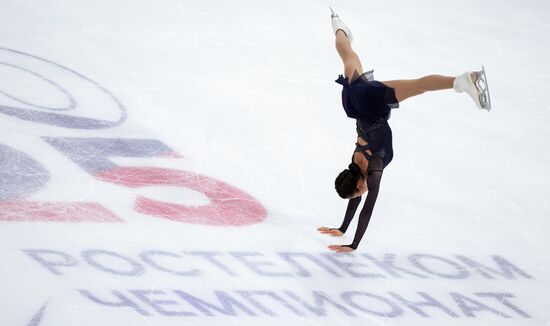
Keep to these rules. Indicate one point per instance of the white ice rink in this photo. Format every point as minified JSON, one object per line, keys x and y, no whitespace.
{"x":168,"y":163}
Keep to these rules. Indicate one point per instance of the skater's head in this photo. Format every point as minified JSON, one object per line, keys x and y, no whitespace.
{"x":350,"y":183}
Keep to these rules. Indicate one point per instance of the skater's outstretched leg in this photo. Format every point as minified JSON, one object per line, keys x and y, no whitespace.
{"x":472,"y":82}
{"x":406,"y":88}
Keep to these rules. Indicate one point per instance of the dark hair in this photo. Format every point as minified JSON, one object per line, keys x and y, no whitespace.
{"x":346,"y":181}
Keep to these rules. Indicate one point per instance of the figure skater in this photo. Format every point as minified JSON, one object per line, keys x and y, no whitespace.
{"x":370,"y":103}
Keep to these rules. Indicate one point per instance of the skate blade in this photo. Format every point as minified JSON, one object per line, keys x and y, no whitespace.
{"x":473,"y":90}
{"x":480,"y":83}
{"x":486,"y":95}
{"x":333,"y":13}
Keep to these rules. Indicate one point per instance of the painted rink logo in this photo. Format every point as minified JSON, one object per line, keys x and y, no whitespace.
{"x":91,"y":106}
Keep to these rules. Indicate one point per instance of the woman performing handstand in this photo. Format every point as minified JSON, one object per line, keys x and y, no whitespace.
{"x":370,"y":103}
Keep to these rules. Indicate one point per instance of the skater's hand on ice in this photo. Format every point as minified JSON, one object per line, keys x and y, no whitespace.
{"x":331,"y":231}
{"x":339,"y":248}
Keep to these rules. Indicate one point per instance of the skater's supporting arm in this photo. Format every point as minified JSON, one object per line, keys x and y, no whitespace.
{"x":373,"y":182}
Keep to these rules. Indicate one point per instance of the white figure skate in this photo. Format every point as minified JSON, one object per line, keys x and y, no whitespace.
{"x":475,"y":84}
{"x":338,"y":24}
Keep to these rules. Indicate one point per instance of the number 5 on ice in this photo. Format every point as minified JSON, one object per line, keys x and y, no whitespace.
{"x":229,"y":206}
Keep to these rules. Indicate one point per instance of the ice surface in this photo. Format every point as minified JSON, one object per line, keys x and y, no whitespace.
{"x":168,"y":163}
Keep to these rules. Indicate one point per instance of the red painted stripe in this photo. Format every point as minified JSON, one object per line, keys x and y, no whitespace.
{"x":229,"y":206}
{"x":27,"y":211}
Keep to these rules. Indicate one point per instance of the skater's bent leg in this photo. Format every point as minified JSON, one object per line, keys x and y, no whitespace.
{"x":343,"y":45}
{"x":352,"y":64}
{"x":412,"y":87}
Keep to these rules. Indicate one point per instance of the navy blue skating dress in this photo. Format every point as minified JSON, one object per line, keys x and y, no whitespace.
{"x":370,"y":103}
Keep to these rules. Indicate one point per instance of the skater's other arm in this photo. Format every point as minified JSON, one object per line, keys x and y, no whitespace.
{"x":348,"y":217}
{"x":350,"y":213}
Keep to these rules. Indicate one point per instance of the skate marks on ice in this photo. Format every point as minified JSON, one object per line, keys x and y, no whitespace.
{"x":31,"y":89}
